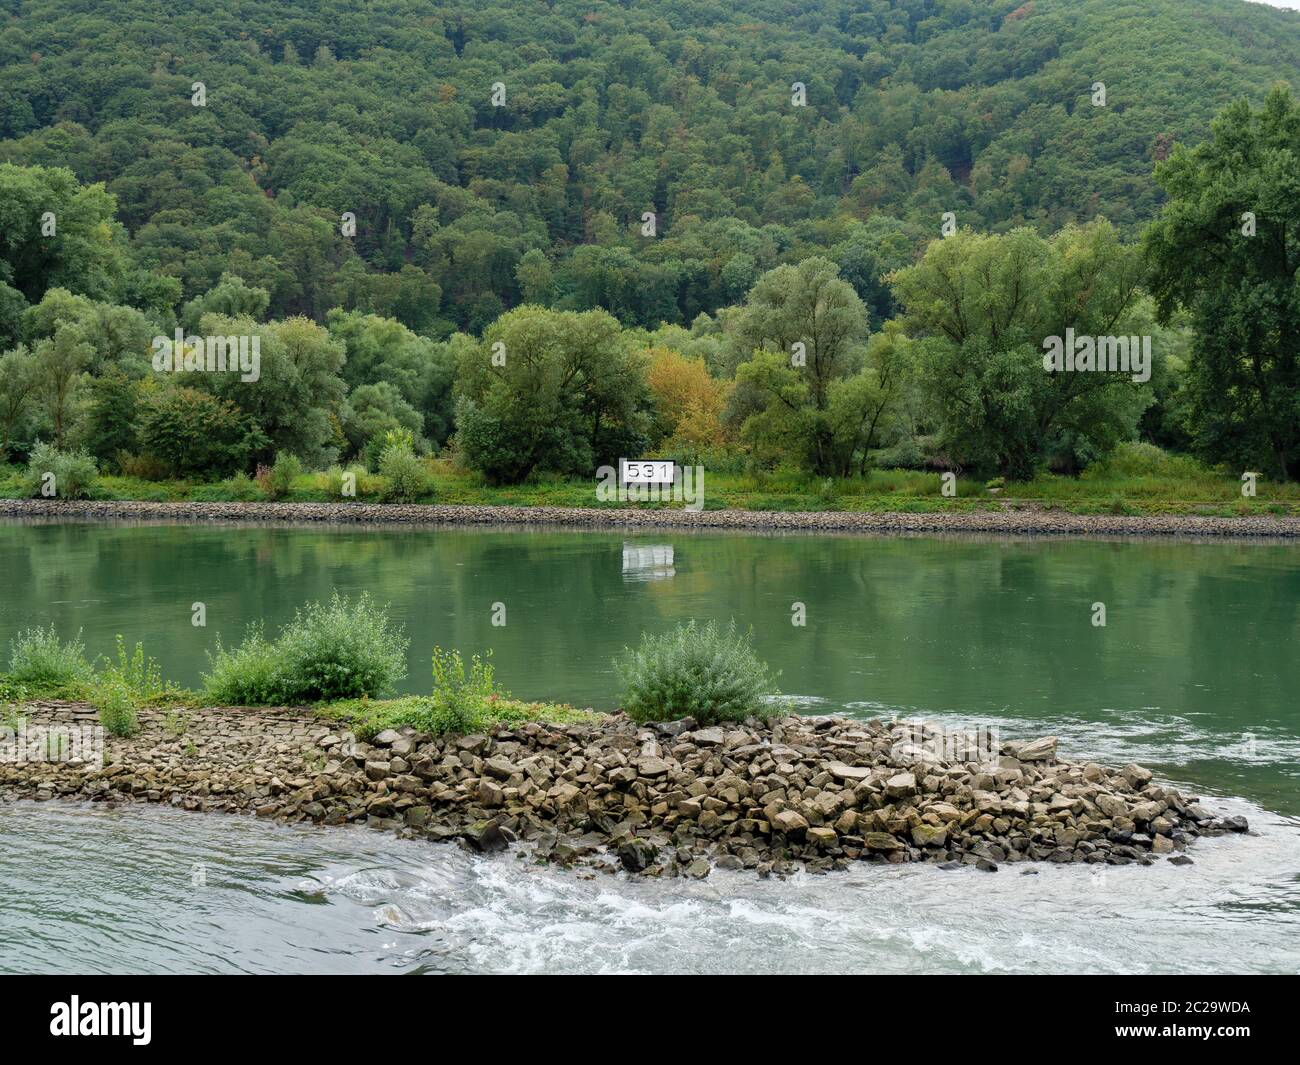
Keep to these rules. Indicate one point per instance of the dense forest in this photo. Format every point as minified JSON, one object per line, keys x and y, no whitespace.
{"x":543,"y":234}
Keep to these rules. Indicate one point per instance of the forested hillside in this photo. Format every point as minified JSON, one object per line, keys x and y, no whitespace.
{"x":814,"y":238}
{"x":681,"y":107}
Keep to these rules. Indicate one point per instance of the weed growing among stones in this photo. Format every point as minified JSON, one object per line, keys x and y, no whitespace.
{"x":40,"y":660}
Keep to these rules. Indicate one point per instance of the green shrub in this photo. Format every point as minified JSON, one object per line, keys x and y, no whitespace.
{"x":341,"y":651}
{"x":277,"y":481}
{"x":143,"y":467}
{"x":454,"y":689}
{"x":195,"y":434}
{"x":398,"y":437}
{"x":39,"y":660}
{"x":334,"y":482}
{"x":75,"y":473}
{"x":332,"y":651}
{"x":442,"y":719}
{"x":116,"y":706}
{"x":460,"y":703}
{"x":407,"y":478}
{"x":140,"y":676}
{"x":702,"y":673}
{"x":247,"y":675}
{"x":1141,"y":459}
{"x":242,"y":488}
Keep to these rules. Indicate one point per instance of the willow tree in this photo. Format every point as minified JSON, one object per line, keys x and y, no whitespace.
{"x":807,"y":329}
{"x":1227,"y":248}
{"x":983,"y":307}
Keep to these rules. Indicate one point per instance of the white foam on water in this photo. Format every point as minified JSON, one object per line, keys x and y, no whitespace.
{"x":344,"y":900}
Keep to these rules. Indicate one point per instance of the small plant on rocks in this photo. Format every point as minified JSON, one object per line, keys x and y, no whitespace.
{"x":336,"y":650}
{"x":116,"y":705}
{"x":141,"y":676}
{"x":176,"y":723}
{"x":705,"y":673}
{"x":39,"y":660}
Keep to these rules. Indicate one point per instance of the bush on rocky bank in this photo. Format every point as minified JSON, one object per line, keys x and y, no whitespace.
{"x":339,"y":650}
{"x":701,"y":673}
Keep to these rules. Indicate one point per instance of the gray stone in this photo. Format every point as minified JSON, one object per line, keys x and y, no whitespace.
{"x":899,"y":785}
{"x":1040,"y":750}
{"x":840,"y":771}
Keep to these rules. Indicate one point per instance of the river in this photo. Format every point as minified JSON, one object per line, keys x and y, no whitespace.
{"x":1194,"y":674}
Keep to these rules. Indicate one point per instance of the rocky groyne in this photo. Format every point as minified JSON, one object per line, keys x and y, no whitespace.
{"x":664,"y":800}
{"x":1015,"y":520}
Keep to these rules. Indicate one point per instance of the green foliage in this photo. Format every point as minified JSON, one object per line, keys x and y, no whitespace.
{"x":176,"y":723}
{"x":549,"y":390}
{"x":117,"y":708}
{"x":242,"y":488}
{"x":983,"y":307}
{"x":374,"y":410}
{"x":461,"y":702}
{"x":710,"y":675}
{"x":808,"y":329}
{"x":397,"y":378}
{"x":231,"y":297}
{"x":62,"y":362}
{"x":277,"y":481}
{"x":191,"y":433}
{"x":74,"y":473}
{"x":405,"y":475}
{"x":39,"y":660}
{"x":339,"y":650}
{"x":773,"y":224}
{"x":1146,"y":460}
{"x":250,"y":674}
{"x":1225,"y":248}
{"x":453,"y":686}
{"x":135,"y":673}
{"x":87,"y":252}
{"x":112,"y":417}
{"x":19,"y":376}
{"x":335,"y":482}
{"x":299,"y":387}
{"x":368,"y":718}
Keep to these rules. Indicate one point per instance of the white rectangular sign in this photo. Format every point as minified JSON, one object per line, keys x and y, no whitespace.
{"x":646,"y":471}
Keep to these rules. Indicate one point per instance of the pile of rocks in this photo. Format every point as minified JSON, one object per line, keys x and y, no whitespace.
{"x":1017,"y":518}
{"x":671,"y":799}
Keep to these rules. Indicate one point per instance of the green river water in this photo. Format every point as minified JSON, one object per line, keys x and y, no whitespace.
{"x":1194,"y":674}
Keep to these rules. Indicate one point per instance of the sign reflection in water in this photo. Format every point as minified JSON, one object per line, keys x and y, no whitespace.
{"x":648,"y":562}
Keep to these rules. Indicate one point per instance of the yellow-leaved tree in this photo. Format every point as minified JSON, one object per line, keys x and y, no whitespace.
{"x":689,"y":403}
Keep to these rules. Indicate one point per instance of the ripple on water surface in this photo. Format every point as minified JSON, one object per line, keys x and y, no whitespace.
{"x":85,"y":889}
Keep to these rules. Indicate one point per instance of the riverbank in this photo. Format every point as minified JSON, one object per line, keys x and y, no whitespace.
{"x":665,"y":800}
{"x":1006,"y":521}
